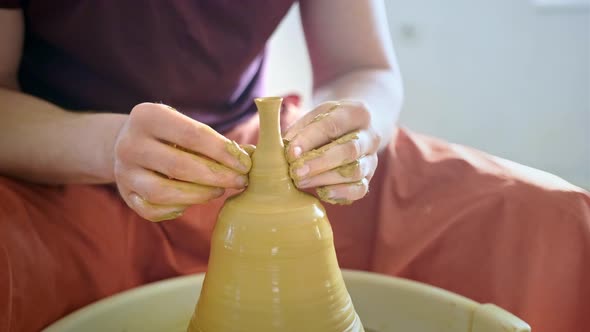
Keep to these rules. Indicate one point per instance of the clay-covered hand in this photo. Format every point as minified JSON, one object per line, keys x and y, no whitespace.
{"x":165,"y":162}
{"x":334,"y":148}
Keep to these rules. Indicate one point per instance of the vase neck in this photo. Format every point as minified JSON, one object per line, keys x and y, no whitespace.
{"x":270,"y":170}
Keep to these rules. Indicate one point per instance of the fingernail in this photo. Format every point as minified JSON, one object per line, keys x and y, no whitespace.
{"x":242,"y":181}
{"x":169,"y":216}
{"x":135,"y":198}
{"x":302,"y":171}
{"x":297,"y":151}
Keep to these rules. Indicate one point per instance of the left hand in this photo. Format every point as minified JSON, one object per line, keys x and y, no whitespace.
{"x":334,"y":148}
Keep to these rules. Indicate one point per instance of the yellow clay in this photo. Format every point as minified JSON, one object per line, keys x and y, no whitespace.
{"x":248,"y":148}
{"x":273,"y":264}
{"x":348,"y":170}
{"x":169,"y":216}
{"x":214,"y":167}
{"x":333,"y":107}
{"x":324,"y":196}
{"x":319,"y":117}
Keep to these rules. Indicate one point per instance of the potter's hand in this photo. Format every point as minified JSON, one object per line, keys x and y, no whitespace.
{"x":334,"y":148}
{"x":166,"y":161}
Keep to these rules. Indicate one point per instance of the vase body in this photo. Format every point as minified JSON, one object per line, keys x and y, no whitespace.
{"x":273,"y":265}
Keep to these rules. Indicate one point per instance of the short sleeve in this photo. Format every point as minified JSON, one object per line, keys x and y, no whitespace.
{"x":10,"y":4}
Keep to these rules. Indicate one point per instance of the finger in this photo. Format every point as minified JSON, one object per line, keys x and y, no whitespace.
{"x":373,"y":170}
{"x":344,"y":194}
{"x":249,"y":148}
{"x":159,"y":190}
{"x":344,"y":150}
{"x":315,"y":114}
{"x":165,"y":123}
{"x":154,"y":212}
{"x":347,"y":117}
{"x":149,"y":211}
{"x":184,"y":166}
{"x":349,"y":173}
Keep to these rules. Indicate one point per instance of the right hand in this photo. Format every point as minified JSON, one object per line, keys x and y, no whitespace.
{"x":165,"y":162}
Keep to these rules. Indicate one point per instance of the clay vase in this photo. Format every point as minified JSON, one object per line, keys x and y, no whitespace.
{"x":272,"y":265}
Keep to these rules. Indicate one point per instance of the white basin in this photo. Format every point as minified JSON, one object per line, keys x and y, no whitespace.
{"x":384,"y":304}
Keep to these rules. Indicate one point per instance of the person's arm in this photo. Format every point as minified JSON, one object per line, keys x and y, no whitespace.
{"x":161,"y":160}
{"x":357,"y":85}
{"x":353,"y":58}
{"x":40,"y":142}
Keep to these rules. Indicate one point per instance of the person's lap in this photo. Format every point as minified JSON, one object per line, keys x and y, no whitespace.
{"x":487,"y":228}
{"x":436,"y":212}
{"x":63,"y":248}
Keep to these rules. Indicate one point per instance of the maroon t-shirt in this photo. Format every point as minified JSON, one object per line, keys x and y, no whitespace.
{"x":205,"y":58}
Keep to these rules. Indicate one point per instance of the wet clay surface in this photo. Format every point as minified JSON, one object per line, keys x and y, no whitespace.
{"x":273,"y":265}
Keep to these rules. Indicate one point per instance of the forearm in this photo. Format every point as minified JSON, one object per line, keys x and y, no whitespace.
{"x":380,"y":90}
{"x":42,"y":143}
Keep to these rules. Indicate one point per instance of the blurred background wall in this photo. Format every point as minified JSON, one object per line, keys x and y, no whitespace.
{"x":509,"y":77}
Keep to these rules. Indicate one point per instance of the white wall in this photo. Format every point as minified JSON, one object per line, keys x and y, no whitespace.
{"x":503,"y":76}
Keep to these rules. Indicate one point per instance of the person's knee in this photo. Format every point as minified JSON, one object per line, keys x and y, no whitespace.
{"x":550,"y":197}
{"x":549,"y":223}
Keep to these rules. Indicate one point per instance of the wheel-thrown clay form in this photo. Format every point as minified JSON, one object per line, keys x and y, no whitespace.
{"x":273,"y":264}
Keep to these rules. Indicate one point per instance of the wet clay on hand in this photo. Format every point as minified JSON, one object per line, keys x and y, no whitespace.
{"x":273,"y":264}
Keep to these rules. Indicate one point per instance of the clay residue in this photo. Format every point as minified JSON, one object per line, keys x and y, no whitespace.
{"x":338,"y":201}
{"x":346,"y":138}
{"x":333,"y":107}
{"x":316,"y":153}
{"x":313,"y":154}
{"x":237,"y":152}
{"x":215,"y":167}
{"x":323,"y":194}
{"x":348,"y":170}
{"x":249,"y":148}
{"x":326,"y":113}
{"x":169,"y":216}
{"x":319,"y":117}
